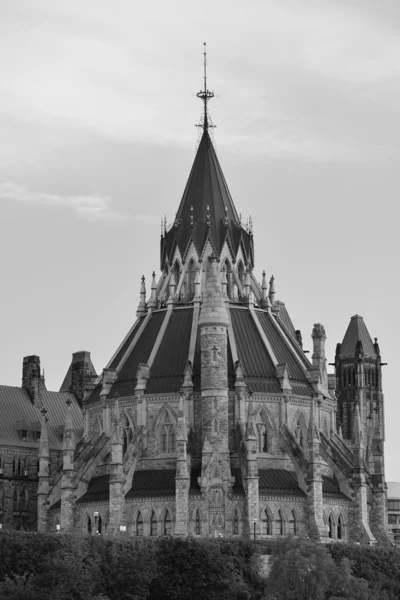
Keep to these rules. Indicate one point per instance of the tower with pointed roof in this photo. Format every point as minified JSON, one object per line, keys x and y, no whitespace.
{"x":209,"y":419}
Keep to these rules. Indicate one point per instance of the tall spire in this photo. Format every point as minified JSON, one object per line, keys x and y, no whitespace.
{"x":205,"y":95}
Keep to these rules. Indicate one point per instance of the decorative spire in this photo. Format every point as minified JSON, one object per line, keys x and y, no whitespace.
{"x":153,"y":298}
{"x":271,"y":294}
{"x":205,"y":95}
{"x":142,"y":304}
{"x":44,"y":436}
{"x":264,"y":286}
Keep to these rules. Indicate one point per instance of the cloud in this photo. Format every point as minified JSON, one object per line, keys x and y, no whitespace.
{"x":89,"y":207}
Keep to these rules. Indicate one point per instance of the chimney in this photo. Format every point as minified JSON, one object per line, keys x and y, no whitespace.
{"x":32,"y":381}
{"x":81,"y":372}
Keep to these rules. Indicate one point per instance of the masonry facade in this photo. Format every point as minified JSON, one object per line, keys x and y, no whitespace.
{"x":209,"y":419}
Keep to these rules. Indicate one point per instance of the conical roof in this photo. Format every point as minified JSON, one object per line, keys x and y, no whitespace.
{"x":357,"y":331}
{"x":206,"y":210}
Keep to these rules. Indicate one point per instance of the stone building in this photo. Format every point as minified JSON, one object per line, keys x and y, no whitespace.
{"x":22,"y":411}
{"x":209,"y":419}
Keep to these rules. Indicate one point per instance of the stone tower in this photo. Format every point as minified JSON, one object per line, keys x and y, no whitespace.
{"x":215,"y":468}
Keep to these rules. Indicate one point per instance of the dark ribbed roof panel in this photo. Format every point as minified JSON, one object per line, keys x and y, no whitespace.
{"x":283,"y":352}
{"x":285,"y":318}
{"x":258,"y":368}
{"x":357,"y":331}
{"x":152,"y":483}
{"x":126,"y":379}
{"x":167,"y":371}
{"x":118,"y":357}
{"x":98,"y":490}
{"x":278,"y":480}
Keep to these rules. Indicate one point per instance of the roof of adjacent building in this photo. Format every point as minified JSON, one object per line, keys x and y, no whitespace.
{"x":357,"y":331}
{"x":17,"y":407}
{"x":206,"y":193}
{"x":393,"y":490}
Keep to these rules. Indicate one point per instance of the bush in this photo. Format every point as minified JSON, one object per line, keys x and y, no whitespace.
{"x":36,"y":566}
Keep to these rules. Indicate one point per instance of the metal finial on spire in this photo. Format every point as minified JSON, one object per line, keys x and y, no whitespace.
{"x":205,"y":95}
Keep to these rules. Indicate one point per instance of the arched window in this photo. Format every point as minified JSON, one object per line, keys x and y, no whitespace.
{"x":127,"y":433}
{"x":14,"y":466}
{"x":1,"y":496}
{"x":236,"y":523}
{"x":340,"y":528}
{"x":292,"y":524}
{"x":228,"y":269}
{"x":99,"y":525}
{"x":153,"y":524}
{"x":279,"y":523}
{"x":89,"y":525}
{"x":265,"y":523}
{"x":16,"y":500}
{"x":215,"y":426}
{"x":139,"y":525}
{"x":301,"y":431}
{"x":26,"y":499}
{"x":197,"y":526}
{"x":97,"y":426}
{"x":166,"y":434}
{"x":167,"y":524}
{"x":191,"y":274}
{"x":330,"y":527}
{"x":240,"y":272}
{"x":176,"y":273}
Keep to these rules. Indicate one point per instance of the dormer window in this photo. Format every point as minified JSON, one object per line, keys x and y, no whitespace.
{"x":24,"y":435}
{"x":37,"y":436}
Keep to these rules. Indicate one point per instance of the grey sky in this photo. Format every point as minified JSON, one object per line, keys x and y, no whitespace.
{"x":97,"y":114}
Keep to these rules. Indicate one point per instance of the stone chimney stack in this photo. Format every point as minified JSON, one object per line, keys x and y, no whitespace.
{"x":32,"y":381}
{"x":81,"y":371}
{"x":80,"y":375}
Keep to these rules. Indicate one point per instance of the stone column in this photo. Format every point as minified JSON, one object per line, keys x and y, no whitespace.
{"x":117,"y":501}
{"x":43,"y":485}
{"x":68,"y":484}
{"x":315,"y":510}
{"x":182,"y":478}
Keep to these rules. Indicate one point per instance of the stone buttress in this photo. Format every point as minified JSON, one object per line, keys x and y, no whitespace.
{"x":68,"y":486}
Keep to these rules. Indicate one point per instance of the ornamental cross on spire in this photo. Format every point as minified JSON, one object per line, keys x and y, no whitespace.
{"x":205,"y":95}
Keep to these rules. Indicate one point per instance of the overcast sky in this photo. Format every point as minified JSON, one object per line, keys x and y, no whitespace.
{"x":97,"y":115}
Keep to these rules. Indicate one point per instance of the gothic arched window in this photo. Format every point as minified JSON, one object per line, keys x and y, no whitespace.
{"x":167,"y":524}
{"x":301,"y":431}
{"x":89,"y":525}
{"x":197,"y":525}
{"x":176,"y":273}
{"x":127,"y":433}
{"x":166,"y":434}
{"x":236,"y":523}
{"x":265,"y":523}
{"x":228,"y":270}
{"x":340,"y":528}
{"x":153,"y":524}
{"x":292,"y":524}
{"x":139,"y":525}
{"x":330,"y":527}
{"x":240,"y":272}
{"x":279,"y":523}
{"x":191,"y":275}
{"x":26,"y":499}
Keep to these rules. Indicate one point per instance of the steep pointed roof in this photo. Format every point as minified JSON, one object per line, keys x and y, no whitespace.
{"x":357,"y":331}
{"x":206,"y":210}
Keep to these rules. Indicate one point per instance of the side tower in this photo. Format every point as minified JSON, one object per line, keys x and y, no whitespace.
{"x":360,"y":415}
{"x":215,"y":481}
